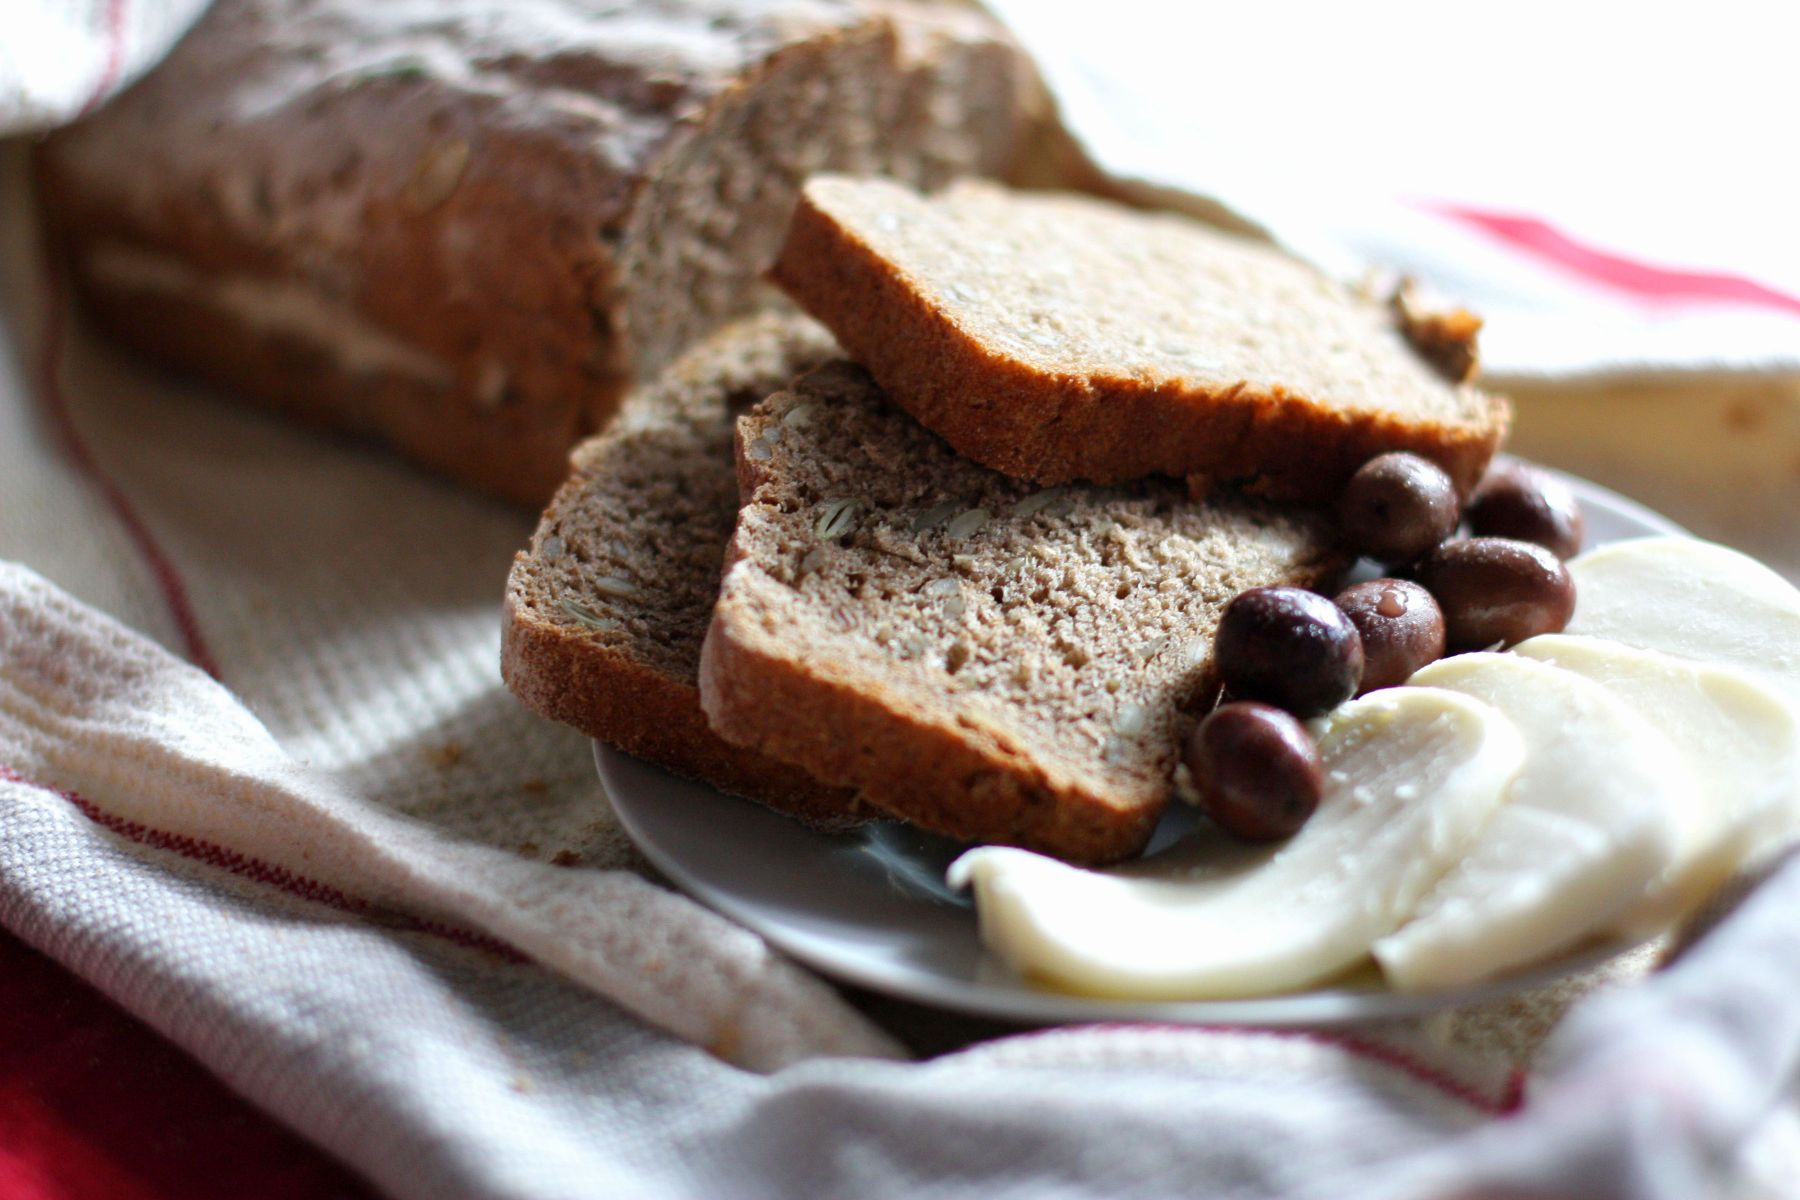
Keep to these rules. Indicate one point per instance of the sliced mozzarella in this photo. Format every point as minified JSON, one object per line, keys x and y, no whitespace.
{"x":1587,"y":827}
{"x":1739,"y":740}
{"x":1695,"y":600}
{"x":1412,"y":774}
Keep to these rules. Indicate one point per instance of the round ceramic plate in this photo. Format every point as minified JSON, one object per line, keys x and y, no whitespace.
{"x":870,"y":907}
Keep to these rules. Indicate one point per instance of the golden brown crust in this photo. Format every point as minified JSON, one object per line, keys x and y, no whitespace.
{"x":962,"y":780}
{"x":515,"y":452}
{"x":966,"y":783}
{"x":1446,"y":337}
{"x":1101,"y":427}
{"x":564,"y":675}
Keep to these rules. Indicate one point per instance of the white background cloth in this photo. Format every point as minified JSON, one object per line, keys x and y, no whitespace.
{"x":323,"y":872}
{"x":1356,"y":133}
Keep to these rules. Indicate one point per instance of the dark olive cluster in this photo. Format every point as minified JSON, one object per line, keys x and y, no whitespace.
{"x":1285,"y":653}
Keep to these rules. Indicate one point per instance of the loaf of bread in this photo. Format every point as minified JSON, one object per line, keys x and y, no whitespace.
{"x":1062,"y":337}
{"x":979,"y":656}
{"x":467,"y":228}
{"x":606,"y":609}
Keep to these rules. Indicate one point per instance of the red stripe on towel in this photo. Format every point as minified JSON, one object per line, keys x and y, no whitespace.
{"x":113,"y":62}
{"x":56,"y":408}
{"x":1643,"y":281}
{"x":55,"y":401}
{"x":1509,"y":1101}
{"x":258,"y":871}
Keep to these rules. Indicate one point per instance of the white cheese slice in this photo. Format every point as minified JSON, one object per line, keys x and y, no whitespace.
{"x":1739,"y":740}
{"x":1587,"y":828}
{"x":1695,"y":600}
{"x":1412,"y":775}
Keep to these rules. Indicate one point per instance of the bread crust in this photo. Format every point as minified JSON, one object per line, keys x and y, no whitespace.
{"x":962,"y":781}
{"x":566,"y":675}
{"x":1099,"y":425}
{"x":532,"y":219}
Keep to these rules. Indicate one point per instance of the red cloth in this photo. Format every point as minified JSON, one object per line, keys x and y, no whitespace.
{"x":96,"y":1106}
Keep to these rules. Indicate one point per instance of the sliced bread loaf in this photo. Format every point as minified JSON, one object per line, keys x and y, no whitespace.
{"x":606,"y":609}
{"x":467,"y":228}
{"x":1058,"y":337}
{"x":984,"y":658}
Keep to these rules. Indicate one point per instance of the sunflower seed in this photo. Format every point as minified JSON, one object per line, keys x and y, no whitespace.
{"x":966,"y":523}
{"x":399,"y":68}
{"x":800,"y":415}
{"x":586,"y":615}
{"x":1038,"y":501}
{"x":1133,"y":720}
{"x":437,"y":176}
{"x":936,"y":515}
{"x":617,"y":588}
{"x":837,"y":519}
{"x":1151,"y":649}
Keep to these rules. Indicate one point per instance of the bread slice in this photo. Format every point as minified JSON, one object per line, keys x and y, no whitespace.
{"x":984,"y":658}
{"x":606,"y":609}
{"x":1058,"y":337}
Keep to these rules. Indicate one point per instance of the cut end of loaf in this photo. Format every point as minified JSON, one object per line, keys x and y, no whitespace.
{"x":1061,"y":337}
{"x":469,"y":240}
{"x":986,"y":658}
{"x":925,"y":94}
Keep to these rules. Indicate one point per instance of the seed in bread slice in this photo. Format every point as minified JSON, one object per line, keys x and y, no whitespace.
{"x":985,"y":658}
{"x":1058,"y":337}
{"x":605,"y":611}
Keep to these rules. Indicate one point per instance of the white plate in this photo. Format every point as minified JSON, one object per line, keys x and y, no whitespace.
{"x":870,"y":907}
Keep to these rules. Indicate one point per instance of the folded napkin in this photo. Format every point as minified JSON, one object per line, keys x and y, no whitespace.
{"x":260,"y":782}
{"x":61,"y":58}
{"x":1546,"y":169}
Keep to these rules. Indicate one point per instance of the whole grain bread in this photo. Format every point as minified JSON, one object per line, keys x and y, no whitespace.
{"x":606,"y":608}
{"x":468,"y":228}
{"x":982,"y":657}
{"x":1062,"y":337}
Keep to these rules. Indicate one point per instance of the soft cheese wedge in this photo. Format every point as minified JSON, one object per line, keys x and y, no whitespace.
{"x":1695,"y":600}
{"x":1589,"y":825}
{"x":1739,"y":740}
{"x":1412,"y":775}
